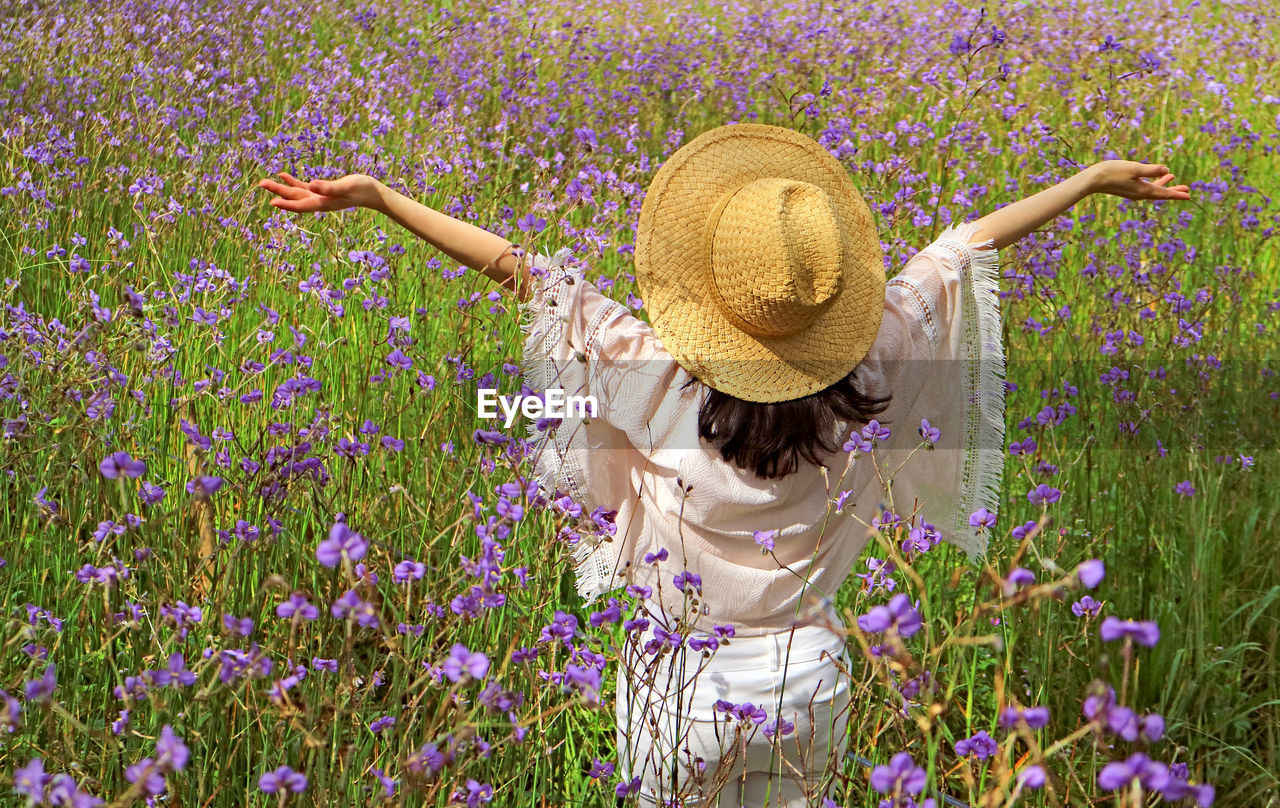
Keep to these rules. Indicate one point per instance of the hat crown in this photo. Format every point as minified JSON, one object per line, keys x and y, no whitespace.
{"x":777,"y":250}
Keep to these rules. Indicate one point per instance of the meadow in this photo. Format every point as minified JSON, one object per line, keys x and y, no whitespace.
{"x":257,"y":548}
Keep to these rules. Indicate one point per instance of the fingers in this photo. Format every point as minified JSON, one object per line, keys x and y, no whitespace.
{"x":296,"y":183}
{"x":1176,"y":192}
{"x":307,"y":205}
{"x":292,"y":199}
{"x":277,"y":188}
{"x":1153,"y":170}
{"x":1171,"y":191}
{"x":284,"y":191}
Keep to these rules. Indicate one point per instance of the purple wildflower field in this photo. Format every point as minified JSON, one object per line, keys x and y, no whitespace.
{"x":258,"y":548}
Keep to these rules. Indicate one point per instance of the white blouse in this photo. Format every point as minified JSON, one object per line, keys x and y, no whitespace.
{"x":938,"y":353}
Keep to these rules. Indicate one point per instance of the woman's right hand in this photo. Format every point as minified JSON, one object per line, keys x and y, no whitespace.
{"x":1128,"y":179}
{"x":351,"y":191}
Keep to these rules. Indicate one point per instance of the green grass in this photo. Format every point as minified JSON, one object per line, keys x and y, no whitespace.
{"x":1203,"y":567}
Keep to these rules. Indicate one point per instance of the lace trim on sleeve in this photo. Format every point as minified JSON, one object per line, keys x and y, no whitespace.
{"x":560,"y":452}
{"x":924,"y":313}
{"x":546,"y":363}
{"x":982,"y":351}
{"x":595,"y":328}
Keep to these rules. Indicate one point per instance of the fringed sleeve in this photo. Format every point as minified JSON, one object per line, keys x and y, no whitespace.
{"x":584,"y":344}
{"x":942,"y":356}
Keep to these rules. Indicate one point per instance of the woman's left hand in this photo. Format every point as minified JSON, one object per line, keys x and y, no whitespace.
{"x":1132,"y":180}
{"x":351,"y":191}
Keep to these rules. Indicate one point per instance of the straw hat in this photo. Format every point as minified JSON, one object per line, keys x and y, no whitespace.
{"x":759,"y":263}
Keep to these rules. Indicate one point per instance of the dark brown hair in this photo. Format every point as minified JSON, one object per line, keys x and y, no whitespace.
{"x":771,"y":439}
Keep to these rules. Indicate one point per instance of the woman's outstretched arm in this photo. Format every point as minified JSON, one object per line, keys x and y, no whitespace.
{"x":1116,"y":177}
{"x":465,"y":243}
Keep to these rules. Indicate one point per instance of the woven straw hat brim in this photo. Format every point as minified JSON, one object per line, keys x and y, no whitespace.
{"x":678,"y":288}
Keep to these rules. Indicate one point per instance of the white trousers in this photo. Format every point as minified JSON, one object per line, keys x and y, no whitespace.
{"x":689,"y":754}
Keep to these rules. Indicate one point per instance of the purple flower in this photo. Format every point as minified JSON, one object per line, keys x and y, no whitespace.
{"x":1177,"y":787}
{"x":463,"y":661}
{"x":1153,"y":775}
{"x":898,"y":613}
{"x":408,"y":570}
{"x":490,"y":436}
{"x":879,"y":578}
{"x":239,"y":625}
{"x":583,"y":679}
{"x":1017,"y":577}
{"x":1145,"y":632}
{"x":150,"y":775}
{"x":476,"y":794}
{"x":922,"y":537}
{"x":982,"y":518}
{"x":30,"y":781}
{"x":349,"y":605}
{"x":120,"y":463}
{"x":1036,"y":717}
{"x":171,"y":753}
{"x":10,"y":712}
{"x":326,"y":665}
{"x":875,"y":431}
{"x":48,"y":504}
{"x":1023,"y":447}
{"x":654,"y":558}
{"x":901,"y":773}
{"x":1153,"y":727}
{"x":765,"y":538}
{"x":663,"y":637}
{"x":342,"y":540}
{"x":686,"y":579}
{"x":237,"y":663}
{"x":1046,"y":416}
{"x":1091,"y":573}
{"x":204,"y":486}
{"x":380,"y":724}
{"x":299,"y":606}
{"x":566,"y":505}
{"x":64,"y":791}
{"x":175,"y":672}
{"x":530,"y":222}
{"x":980,"y":744}
{"x":611,"y":614}
{"x":1185,"y":488}
{"x":563,"y":626}
{"x":748,"y":711}
{"x":397,"y":359}
{"x":840,"y":499}
{"x":1099,"y":702}
{"x":42,"y":689}
{"x":929,"y":432}
{"x":627,"y":788}
{"x":704,"y":643}
{"x":150,"y":494}
{"x":1043,"y":494}
{"x":283,"y":778}
{"x":1086,"y":605}
{"x":1032,"y":777}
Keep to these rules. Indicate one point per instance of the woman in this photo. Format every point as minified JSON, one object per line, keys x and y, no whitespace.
{"x":745,"y":434}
